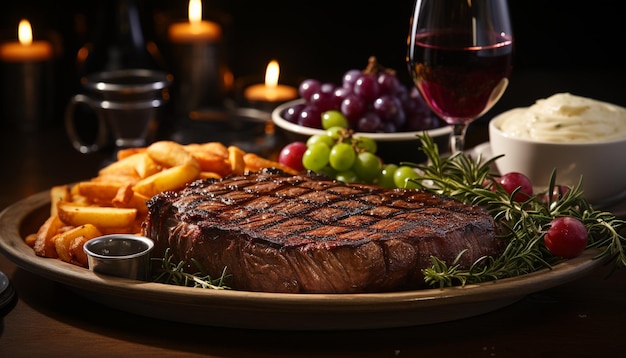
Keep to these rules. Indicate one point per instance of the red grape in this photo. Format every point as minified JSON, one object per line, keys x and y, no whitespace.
{"x":388,"y":83}
{"x":366,"y":86}
{"x":327,"y":87}
{"x":291,"y":155}
{"x":353,"y":107}
{"x":387,"y":107}
{"x":341,"y":93}
{"x":292,"y":113}
{"x":311,"y":117}
{"x":567,"y":237}
{"x":370,"y":122}
{"x":308,"y":87}
{"x":350,"y":77}
{"x":324,"y":101}
{"x":513,"y":180}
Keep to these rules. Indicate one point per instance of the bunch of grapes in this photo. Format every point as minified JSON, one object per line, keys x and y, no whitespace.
{"x":373,"y":100}
{"x":339,"y":154}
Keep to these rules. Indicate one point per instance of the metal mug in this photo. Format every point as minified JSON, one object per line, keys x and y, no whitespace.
{"x":126,"y":104}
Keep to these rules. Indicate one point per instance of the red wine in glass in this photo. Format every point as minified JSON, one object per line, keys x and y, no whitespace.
{"x":460,"y":58}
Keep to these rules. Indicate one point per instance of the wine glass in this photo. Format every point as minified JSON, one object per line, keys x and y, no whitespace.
{"x":460,"y":58}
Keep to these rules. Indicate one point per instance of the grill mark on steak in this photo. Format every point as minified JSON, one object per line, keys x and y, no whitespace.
{"x":281,"y":233}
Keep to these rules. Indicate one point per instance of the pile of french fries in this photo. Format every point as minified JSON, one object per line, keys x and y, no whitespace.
{"x":115,"y":200}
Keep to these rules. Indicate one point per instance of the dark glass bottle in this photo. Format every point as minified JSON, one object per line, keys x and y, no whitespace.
{"x":118,"y":41}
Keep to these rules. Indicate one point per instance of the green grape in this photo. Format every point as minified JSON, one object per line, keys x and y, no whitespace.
{"x":367,"y":144}
{"x":386,"y":176}
{"x":335,"y":132}
{"x":328,"y":171}
{"x":316,"y":156}
{"x":347,"y":176}
{"x":402,"y":175}
{"x":324,"y":138}
{"x":367,"y":166}
{"x":334,"y":118}
{"x":342,"y":156}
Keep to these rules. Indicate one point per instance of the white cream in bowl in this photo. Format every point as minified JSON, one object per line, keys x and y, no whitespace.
{"x":566,"y":118}
{"x":575,"y":135}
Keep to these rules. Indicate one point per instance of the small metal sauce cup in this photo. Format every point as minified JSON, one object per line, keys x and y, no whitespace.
{"x":122,"y":255}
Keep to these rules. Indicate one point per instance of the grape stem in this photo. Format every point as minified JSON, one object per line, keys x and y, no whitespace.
{"x":373,"y":67}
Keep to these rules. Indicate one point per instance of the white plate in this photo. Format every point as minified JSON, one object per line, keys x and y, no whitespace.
{"x":259,"y":310}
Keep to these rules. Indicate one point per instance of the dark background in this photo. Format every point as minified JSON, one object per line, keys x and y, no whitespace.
{"x":321,"y":39}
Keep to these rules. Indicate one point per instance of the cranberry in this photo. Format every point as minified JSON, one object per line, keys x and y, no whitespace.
{"x":567,"y":237}
{"x":513,"y":180}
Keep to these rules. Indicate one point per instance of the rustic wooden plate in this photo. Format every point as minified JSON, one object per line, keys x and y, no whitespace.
{"x":258,"y":310}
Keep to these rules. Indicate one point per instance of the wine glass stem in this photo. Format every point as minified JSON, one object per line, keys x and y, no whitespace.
{"x":457,"y":139}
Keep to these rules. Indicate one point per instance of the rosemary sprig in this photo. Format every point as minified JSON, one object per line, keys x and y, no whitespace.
{"x":173,"y":273}
{"x":521,"y":225}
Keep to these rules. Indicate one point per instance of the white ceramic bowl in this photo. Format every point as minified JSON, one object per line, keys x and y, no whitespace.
{"x":602,"y":165}
{"x":392,"y":147}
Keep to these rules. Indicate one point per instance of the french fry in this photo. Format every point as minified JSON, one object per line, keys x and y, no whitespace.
{"x":170,"y":154}
{"x":61,"y":249}
{"x":76,"y":252}
{"x":30,"y":240}
{"x":78,"y":200}
{"x":124,"y":167}
{"x":169,"y":179}
{"x":99,"y":191}
{"x":58,"y":193}
{"x":127,"y":152}
{"x":99,"y":216}
{"x":216,"y":148}
{"x":139,"y":165}
{"x":146,"y":166}
{"x":254,"y":163}
{"x":63,"y":242}
{"x":209,"y":175}
{"x":235,"y":157}
{"x":44,"y":245}
{"x":123,"y":196}
{"x":137,"y":201}
{"x":117,"y":178}
{"x":210,"y":162}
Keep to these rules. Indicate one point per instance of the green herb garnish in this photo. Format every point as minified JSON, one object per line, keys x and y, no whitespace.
{"x":174,"y":274}
{"x":522,"y":225}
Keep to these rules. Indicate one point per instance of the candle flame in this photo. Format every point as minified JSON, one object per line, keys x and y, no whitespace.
{"x":25,"y":32}
{"x":195,"y":11}
{"x":271,"y":74}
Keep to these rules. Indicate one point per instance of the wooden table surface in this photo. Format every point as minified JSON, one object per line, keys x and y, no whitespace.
{"x":583,"y":318}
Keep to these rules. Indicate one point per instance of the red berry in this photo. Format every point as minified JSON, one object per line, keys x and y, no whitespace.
{"x":513,"y":180}
{"x":291,"y":155}
{"x":567,"y":237}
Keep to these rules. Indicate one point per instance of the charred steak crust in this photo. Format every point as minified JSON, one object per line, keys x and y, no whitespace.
{"x":302,"y":234}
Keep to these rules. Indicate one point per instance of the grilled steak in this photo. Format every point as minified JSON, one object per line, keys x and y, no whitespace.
{"x":304,"y":234}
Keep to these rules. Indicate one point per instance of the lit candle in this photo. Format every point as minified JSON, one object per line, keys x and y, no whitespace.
{"x":271,"y":91}
{"x":197,"y":62}
{"x":27,"y":73}
{"x":25,"y":50}
{"x":196,"y":29}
